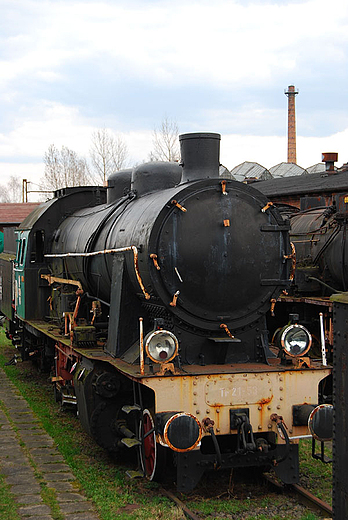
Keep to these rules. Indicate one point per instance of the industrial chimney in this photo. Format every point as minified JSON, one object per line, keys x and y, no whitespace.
{"x":291,"y":93}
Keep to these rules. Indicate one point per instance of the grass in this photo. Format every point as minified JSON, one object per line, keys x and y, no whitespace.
{"x":116,"y":497}
{"x":8,"y":506}
{"x":314,"y":474}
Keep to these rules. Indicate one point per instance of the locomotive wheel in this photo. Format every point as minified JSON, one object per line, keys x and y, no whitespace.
{"x":152,"y":454}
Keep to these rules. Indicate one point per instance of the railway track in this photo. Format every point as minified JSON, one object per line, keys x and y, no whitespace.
{"x":303,"y":496}
{"x":299,"y":493}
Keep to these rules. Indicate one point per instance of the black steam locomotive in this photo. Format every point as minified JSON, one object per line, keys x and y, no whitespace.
{"x":152,"y":305}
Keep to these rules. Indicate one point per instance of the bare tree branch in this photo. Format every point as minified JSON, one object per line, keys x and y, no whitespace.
{"x":166,"y":142}
{"x":108,"y":153}
{"x":12,"y":192}
{"x":64,"y":168}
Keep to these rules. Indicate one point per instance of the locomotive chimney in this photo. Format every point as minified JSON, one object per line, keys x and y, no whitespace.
{"x":291,"y":93}
{"x":200,"y":156}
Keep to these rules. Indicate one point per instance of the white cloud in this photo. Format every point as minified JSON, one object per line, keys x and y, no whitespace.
{"x":223,"y":43}
{"x":218,"y":52}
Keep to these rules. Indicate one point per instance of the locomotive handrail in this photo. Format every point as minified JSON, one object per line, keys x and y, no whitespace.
{"x":107,"y":251}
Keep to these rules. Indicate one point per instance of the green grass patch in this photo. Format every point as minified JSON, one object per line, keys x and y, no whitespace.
{"x":314,"y":474}
{"x":8,"y":505}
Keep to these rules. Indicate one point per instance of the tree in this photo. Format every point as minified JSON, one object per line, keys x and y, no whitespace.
{"x":12,"y":192}
{"x":166,"y":142}
{"x":64,"y":168}
{"x":108,"y":153}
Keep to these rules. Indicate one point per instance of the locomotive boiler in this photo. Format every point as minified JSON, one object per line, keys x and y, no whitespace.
{"x":150,"y":310}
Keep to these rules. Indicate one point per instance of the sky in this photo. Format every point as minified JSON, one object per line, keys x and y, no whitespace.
{"x":68,"y":68}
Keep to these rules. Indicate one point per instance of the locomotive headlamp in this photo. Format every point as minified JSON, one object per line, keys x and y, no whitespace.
{"x":295,"y":340}
{"x":161,"y":346}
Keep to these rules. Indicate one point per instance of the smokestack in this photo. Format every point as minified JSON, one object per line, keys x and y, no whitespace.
{"x":200,"y":153}
{"x":291,"y":93}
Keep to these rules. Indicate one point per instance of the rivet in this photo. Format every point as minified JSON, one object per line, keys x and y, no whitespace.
{"x":217,"y":429}
{"x":269,"y":426}
{"x":259,"y":427}
{"x":260,"y":408}
{"x":195,"y":393}
{"x":278,"y":407}
{"x":194,"y":382}
{"x":218,"y":411}
{"x":195,"y":402}
{"x":207,"y":411}
{"x":197,"y":412}
{"x":281,"y":388}
{"x":281,"y":398}
{"x":268,"y":407}
{"x":280,"y":379}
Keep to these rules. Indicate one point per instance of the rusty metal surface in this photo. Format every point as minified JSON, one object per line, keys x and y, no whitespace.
{"x":306,"y":496}
{"x":313,"y":500}
{"x":315,"y":300}
{"x":180,"y":504}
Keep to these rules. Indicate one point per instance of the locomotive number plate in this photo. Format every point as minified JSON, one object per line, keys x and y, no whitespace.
{"x":229,"y":392}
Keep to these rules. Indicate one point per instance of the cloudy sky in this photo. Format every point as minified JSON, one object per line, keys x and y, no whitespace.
{"x":68,"y":68}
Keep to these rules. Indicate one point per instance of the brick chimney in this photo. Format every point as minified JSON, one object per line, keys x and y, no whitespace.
{"x":291,"y":93}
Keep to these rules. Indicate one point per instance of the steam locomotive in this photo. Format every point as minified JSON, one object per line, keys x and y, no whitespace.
{"x":155,"y":306}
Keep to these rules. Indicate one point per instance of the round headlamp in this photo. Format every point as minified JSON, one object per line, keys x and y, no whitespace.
{"x":161,"y":346}
{"x":296,"y":340}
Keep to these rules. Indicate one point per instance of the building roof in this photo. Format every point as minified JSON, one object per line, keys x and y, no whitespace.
{"x":313,"y":183}
{"x":317,"y":168}
{"x":250,"y":170}
{"x":14,"y":213}
{"x":287,"y":170}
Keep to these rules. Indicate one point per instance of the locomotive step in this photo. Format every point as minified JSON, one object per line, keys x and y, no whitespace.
{"x":130,"y":443}
{"x":134,"y":474}
{"x":127,"y":408}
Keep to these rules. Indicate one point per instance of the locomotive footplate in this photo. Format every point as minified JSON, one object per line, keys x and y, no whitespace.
{"x":192,"y":465}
